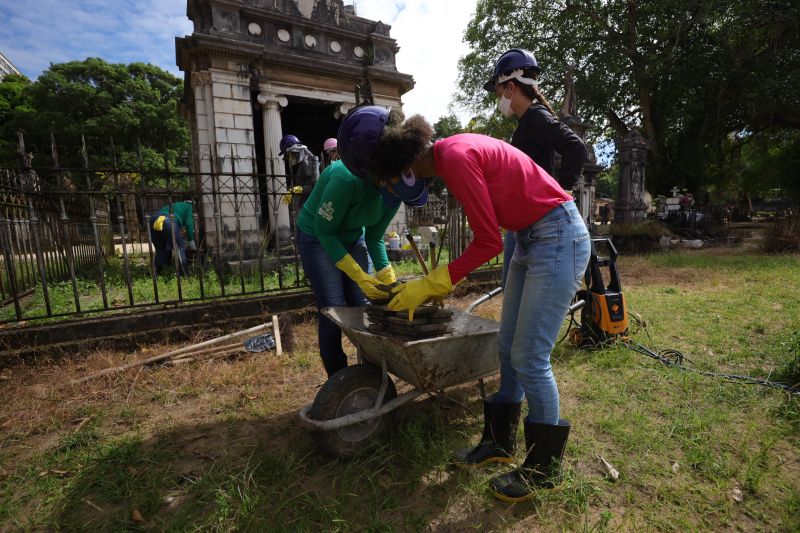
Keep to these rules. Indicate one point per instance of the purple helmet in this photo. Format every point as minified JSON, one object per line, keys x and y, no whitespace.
{"x":287,"y":141}
{"x":514,"y":59}
{"x":358,"y":137}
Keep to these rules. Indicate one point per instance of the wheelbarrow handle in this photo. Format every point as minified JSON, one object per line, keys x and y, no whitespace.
{"x":483,"y":299}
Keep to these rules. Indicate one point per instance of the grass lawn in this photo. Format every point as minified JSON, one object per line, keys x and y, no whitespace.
{"x":214,"y":445}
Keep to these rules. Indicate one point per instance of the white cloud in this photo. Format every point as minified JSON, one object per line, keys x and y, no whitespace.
{"x":430,"y":35}
{"x":35,"y":33}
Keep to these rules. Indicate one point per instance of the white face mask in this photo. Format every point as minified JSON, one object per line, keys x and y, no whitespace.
{"x":504,"y":106}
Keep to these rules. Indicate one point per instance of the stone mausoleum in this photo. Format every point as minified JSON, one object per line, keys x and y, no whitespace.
{"x":258,"y":69}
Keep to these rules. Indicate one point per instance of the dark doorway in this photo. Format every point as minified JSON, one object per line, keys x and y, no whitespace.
{"x":260,"y":162}
{"x":311,"y":121}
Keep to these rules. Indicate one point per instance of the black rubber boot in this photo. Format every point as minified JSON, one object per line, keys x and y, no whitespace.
{"x":499,"y":440}
{"x":542,"y":466}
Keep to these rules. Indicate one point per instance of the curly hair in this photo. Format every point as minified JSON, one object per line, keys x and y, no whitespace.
{"x":401,"y":143}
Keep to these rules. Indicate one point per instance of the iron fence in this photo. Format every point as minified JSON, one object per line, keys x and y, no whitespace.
{"x":75,"y":240}
{"x":707,"y":222}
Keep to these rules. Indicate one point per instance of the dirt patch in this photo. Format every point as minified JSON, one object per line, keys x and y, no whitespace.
{"x":640,"y":271}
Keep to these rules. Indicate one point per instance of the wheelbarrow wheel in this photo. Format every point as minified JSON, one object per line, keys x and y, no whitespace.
{"x":352,"y":389}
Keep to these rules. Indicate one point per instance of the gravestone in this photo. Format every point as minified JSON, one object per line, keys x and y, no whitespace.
{"x":632,"y":156}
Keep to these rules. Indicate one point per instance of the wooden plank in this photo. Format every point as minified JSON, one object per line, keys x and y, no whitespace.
{"x":131,"y":329}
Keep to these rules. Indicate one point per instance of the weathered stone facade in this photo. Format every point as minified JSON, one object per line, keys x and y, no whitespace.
{"x":6,"y":67}
{"x":258,"y":69}
{"x":632,"y":154}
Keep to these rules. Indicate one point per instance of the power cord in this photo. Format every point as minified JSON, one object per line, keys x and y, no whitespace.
{"x":674,"y":358}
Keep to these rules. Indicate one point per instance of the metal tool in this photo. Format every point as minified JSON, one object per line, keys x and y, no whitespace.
{"x":417,"y":252}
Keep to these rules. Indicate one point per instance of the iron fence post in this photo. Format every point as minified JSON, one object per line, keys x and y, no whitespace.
{"x":146,"y":220}
{"x":176,"y":253}
{"x":11,"y":271}
{"x":65,"y":224}
{"x":98,"y":250}
{"x":238,"y":221}
{"x":121,"y":222}
{"x":34,"y":222}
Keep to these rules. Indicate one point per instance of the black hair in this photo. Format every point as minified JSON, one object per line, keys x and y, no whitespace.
{"x":401,"y":143}
{"x":532,"y":91}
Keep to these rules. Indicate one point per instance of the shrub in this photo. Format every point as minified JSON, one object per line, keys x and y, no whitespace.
{"x":783,"y":235}
{"x":642,"y":237}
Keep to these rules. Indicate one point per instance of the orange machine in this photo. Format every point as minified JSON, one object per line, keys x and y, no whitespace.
{"x":604,"y":316}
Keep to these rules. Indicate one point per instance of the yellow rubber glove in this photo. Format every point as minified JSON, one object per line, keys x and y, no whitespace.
{"x":411,"y":295}
{"x":158,"y":225}
{"x":367,"y":284}
{"x":287,"y":198}
{"x":386,"y":275}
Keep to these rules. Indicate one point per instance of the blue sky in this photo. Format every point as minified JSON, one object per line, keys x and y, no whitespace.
{"x":35,"y":33}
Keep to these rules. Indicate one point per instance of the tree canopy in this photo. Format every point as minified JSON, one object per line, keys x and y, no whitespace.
{"x":129,"y":103}
{"x":699,"y":79}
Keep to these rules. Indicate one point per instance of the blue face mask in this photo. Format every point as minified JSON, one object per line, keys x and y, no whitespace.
{"x":408,"y":189}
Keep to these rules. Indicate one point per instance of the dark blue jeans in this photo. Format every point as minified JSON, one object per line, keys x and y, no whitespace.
{"x":162,"y":242}
{"x":331,"y":288}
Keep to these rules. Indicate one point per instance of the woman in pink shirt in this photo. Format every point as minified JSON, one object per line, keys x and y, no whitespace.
{"x":499,"y":186}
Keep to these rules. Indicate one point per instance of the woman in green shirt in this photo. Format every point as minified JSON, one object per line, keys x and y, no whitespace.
{"x":339,"y":228}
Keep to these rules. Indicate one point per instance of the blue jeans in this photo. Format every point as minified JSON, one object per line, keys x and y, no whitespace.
{"x":545,"y":272}
{"x":331,"y":288}
{"x":509,"y":244}
{"x":162,"y":242}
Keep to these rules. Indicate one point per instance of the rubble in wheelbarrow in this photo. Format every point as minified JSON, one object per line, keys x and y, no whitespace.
{"x":429,"y":321}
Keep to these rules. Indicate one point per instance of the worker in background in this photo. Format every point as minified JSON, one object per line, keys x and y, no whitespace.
{"x":330,"y":151}
{"x":339,"y":230}
{"x":498,"y":186}
{"x":539,"y":133}
{"x":165,"y":232}
{"x":300,"y":174}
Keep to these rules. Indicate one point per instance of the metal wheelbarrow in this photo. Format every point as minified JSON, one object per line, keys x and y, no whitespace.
{"x":354,"y":407}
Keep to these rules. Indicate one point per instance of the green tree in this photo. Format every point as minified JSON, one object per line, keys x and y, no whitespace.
{"x":446,"y":126}
{"x":688,"y":74}
{"x":129,"y":103}
{"x":14,"y":99}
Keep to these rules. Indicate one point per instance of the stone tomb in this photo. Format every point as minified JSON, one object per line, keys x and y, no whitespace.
{"x":256,"y":70}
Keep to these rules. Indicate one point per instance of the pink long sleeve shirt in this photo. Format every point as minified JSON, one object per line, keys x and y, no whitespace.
{"x":498,"y":186}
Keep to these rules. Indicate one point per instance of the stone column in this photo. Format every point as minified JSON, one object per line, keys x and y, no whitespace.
{"x":205,"y":151}
{"x":583,"y":189}
{"x":632,"y":154}
{"x":588,"y":191}
{"x":271,"y":106}
{"x":223,"y":152}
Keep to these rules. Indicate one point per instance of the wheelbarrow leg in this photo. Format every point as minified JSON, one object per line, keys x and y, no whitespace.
{"x":482,"y":389}
{"x":384,"y":384}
